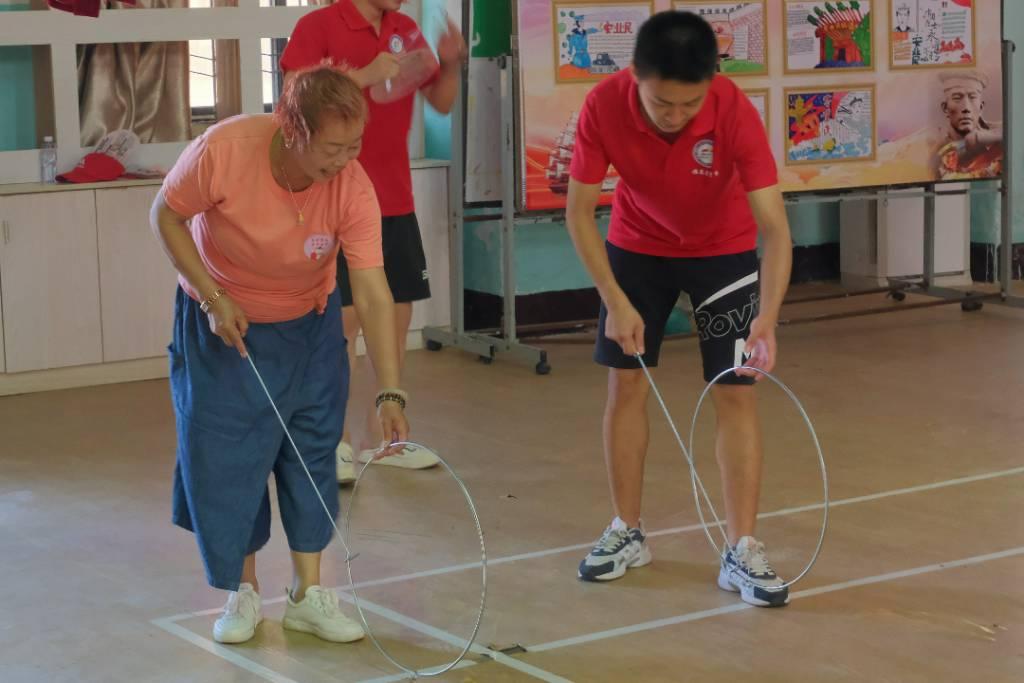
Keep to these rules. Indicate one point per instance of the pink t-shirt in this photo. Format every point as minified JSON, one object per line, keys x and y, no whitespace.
{"x":247,"y":229}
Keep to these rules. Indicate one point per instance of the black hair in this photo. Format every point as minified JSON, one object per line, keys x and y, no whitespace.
{"x":676,"y":46}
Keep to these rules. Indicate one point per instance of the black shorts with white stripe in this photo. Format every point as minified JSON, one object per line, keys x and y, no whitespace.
{"x":405,"y":264}
{"x":723,"y":290}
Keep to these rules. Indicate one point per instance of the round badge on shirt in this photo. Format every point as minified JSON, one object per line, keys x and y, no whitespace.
{"x":318,"y":246}
{"x":704,"y":153}
{"x":396,"y":44}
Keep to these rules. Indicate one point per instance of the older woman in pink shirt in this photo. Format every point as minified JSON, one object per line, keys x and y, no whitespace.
{"x":252,"y":216}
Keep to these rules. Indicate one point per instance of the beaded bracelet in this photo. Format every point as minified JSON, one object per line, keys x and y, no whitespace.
{"x":396,"y":395}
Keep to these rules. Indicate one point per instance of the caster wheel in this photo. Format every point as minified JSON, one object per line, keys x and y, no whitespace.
{"x":897,"y":295}
{"x":543,"y":368}
{"x":971,"y":306}
{"x":486,"y":360}
{"x":434,"y":345}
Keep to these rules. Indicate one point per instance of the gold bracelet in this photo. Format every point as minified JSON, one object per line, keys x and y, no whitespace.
{"x":208,"y":301}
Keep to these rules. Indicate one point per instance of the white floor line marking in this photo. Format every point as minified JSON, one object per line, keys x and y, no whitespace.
{"x":231,"y":655}
{"x":444,"y":636}
{"x":662,"y":532}
{"x":235,"y":657}
{"x":810,"y":592}
{"x":169,"y":625}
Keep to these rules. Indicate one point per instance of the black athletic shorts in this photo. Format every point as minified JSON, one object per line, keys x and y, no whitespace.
{"x":725,"y":294}
{"x":404,"y":262}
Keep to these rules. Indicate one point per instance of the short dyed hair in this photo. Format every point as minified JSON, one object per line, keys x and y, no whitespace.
{"x":313,"y":94}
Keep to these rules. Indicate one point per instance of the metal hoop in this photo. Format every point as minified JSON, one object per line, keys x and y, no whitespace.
{"x":432,"y":671}
{"x":349,"y":556}
{"x":698,"y":485}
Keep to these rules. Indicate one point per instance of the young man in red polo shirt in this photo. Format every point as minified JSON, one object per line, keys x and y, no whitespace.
{"x":372,"y":37}
{"x":697,"y":177}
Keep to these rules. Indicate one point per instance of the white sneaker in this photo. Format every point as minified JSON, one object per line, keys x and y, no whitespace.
{"x":242,"y":615}
{"x":410,"y":457}
{"x":319,"y":614}
{"x":346,"y":470}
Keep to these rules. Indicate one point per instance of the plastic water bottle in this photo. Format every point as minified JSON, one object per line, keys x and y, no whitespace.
{"x":48,"y":160}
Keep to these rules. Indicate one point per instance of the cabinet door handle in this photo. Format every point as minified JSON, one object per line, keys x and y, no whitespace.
{"x":7,"y":232}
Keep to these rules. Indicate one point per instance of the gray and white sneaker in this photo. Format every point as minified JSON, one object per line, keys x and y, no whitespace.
{"x":745,"y":570}
{"x":620,"y":548}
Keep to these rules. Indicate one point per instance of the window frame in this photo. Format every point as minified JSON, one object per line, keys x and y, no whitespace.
{"x":247,"y":23}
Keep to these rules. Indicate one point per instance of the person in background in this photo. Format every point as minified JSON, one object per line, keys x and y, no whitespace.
{"x":371,"y":38}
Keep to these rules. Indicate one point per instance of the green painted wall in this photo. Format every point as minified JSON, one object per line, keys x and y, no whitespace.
{"x":814,"y":224}
{"x":1014,"y":30}
{"x":17,"y":99}
{"x":985,"y":215}
{"x":437,"y":127}
{"x":986,"y":210}
{"x":546,"y":260}
{"x":1013,"y":19}
{"x":489,"y":37}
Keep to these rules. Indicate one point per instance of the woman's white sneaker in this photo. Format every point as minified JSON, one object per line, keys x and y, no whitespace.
{"x":242,"y":614}
{"x":411,"y":457}
{"x":318,"y":613}
{"x":346,"y":469}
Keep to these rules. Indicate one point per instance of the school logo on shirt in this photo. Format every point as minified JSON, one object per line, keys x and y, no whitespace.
{"x":318,"y":246}
{"x":397,"y":44}
{"x":704,"y":153}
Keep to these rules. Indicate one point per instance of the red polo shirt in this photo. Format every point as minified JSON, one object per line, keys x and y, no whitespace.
{"x":681,"y":199}
{"x":340,"y":33}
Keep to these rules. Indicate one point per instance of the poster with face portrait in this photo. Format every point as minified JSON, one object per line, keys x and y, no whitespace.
{"x":842,"y":119}
{"x":970,"y":142}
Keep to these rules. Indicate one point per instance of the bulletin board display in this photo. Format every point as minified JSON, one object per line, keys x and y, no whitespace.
{"x":846,"y":103}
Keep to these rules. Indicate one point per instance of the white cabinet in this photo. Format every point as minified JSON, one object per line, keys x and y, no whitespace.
{"x":885,"y":238}
{"x":87,"y":293}
{"x":137,"y":281}
{"x":49,"y":277}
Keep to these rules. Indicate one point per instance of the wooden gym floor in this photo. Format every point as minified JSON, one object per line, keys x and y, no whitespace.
{"x":921,"y":415}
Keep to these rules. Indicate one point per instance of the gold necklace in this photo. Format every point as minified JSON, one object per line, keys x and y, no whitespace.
{"x":291,"y":194}
{"x":302,"y":218}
